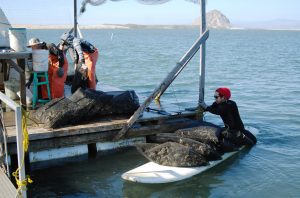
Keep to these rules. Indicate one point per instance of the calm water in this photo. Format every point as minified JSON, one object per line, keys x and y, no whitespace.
{"x":262,"y":68}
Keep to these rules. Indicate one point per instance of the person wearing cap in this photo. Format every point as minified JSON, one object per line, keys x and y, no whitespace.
{"x":234,"y":130}
{"x":57,"y":68}
{"x":85,"y":56}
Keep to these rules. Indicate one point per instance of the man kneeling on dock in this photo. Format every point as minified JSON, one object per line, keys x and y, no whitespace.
{"x":234,"y":130}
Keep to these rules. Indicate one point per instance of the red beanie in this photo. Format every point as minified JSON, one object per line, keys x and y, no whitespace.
{"x":223,"y":91}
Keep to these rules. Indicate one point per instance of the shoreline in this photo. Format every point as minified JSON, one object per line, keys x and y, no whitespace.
{"x":101,"y":26}
{"x":135,"y":26}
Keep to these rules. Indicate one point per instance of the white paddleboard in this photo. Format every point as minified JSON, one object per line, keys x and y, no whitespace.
{"x":153,"y":173}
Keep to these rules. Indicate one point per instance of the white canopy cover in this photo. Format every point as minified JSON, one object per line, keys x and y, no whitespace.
{"x":4,"y":26}
{"x":146,"y":2}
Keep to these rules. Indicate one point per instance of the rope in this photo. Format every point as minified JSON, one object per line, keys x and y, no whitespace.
{"x":23,"y":183}
{"x":173,"y":92}
{"x":33,"y":122}
{"x":199,"y":113}
{"x":5,"y":141}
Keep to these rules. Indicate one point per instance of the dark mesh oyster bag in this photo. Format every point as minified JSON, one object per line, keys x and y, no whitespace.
{"x":205,"y":134}
{"x":174,"y":154}
{"x":207,"y":151}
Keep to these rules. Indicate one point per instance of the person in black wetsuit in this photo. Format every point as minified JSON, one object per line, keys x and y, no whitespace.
{"x":234,"y":130}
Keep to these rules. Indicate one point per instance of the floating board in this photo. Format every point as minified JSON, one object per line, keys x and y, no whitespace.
{"x":153,"y":173}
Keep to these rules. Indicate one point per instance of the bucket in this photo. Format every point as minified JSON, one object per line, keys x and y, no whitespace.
{"x":40,"y":60}
{"x":11,"y":88}
{"x":18,"y":39}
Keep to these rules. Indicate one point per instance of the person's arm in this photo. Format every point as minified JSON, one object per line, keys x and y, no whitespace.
{"x":29,"y":81}
{"x":216,"y":109}
{"x":78,"y":49}
{"x":54,"y":50}
{"x":87,"y":46}
{"x":61,"y":59}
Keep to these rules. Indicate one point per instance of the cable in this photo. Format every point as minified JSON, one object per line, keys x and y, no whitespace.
{"x":173,"y":91}
{"x":5,"y":141}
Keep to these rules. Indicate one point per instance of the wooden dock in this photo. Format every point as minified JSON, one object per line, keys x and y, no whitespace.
{"x":7,"y":189}
{"x":101,"y":129}
{"x":93,"y":136}
{"x":98,"y":130}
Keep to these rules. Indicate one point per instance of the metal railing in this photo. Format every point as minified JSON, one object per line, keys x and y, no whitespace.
{"x":19,"y":136}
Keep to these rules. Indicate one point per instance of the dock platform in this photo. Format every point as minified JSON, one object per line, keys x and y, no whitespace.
{"x":94,"y":135}
{"x":98,"y":130}
{"x":7,"y":189}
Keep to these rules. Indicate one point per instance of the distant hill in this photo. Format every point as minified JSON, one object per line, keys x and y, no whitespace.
{"x":215,"y":19}
{"x":277,"y":24}
{"x":103,"y":26}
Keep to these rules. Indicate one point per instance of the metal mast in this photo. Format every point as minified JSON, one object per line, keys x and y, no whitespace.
{"x":202,"y":52}
{"x":75,"y":18}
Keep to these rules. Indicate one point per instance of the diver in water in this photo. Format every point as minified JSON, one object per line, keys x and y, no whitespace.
{"x":234,"y":130}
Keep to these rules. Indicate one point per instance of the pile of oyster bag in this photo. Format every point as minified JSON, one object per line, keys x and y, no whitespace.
{"x":84,"y":106}
{"x":190,"y":147}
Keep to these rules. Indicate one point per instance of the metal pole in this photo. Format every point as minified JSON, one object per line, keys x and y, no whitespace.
{"x":75,"y":18}
{"x":18,"y":117}
{"x":202,"y":52}
{"x":79,"y":32}
{"x":182,"y":63}
{"x":163,"y":85}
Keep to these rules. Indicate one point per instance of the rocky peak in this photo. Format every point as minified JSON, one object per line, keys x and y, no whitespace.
{"x":215,"y":19}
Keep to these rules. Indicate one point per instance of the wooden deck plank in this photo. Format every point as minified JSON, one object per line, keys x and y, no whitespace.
{"x":13,"y":55}
{"x":7,"y":189}
{"x":100,"y":125}
{"x":97,"y":130}
{"x":104,"y":136}
{"x":9,"y":118}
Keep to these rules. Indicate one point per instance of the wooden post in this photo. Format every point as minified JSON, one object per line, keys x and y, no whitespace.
{"x":2,"y":144}
{"x":202,"y":52}
{"x":22,"y":63}
{"x":22,"y":80}
{"x":6,"y":57}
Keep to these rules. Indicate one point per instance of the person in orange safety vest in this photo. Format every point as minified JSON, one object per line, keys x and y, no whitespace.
{"x":57,"y":69}
{"x":86,"y":56}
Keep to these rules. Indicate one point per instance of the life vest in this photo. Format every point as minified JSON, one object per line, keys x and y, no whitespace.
{"x":90,"y":61}
{"x":56,"y":83}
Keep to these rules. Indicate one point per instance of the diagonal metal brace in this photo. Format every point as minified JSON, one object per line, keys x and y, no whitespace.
{"x":164,"y":84}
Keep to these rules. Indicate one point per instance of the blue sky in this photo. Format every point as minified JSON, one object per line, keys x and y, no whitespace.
{"x":130,"y":11}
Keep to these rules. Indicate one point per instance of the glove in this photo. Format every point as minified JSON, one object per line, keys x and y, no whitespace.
{"x":28,"y":84}
{"x":203,"y":105}
{"x":84,"y":71}
{"x":60,"y":72}
{"x":83,"y":66}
